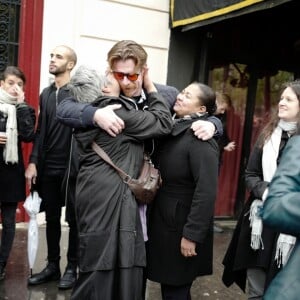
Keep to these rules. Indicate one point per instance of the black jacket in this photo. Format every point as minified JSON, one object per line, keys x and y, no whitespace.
{"x":38,"y":154}
{"x":184,"y":207}
{"x":12,"y":178}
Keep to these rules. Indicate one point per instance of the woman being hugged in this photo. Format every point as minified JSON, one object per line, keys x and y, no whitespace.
{"x":17,"y":124}
{"x":181,"y":220}
{"x":256,"y":253}
{"x":112,"y":254}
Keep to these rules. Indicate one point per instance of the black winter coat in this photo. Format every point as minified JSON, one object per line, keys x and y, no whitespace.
{"x":110,"y":230}
{"x":12,"y":176}
{"x":184,"y":207}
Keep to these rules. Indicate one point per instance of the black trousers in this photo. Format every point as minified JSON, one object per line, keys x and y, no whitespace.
{"x":52,"y":201}
{"x":72,"y":254}
{"x":8,"y":216}
{"x":170,"y":292}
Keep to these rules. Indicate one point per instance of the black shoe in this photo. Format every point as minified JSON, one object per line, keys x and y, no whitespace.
{"x":50,"y":273}
{"x":68,"y":280}
{"x":2,"y":271}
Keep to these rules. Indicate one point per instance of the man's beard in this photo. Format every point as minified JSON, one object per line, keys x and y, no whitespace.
{"x":57,"y":71}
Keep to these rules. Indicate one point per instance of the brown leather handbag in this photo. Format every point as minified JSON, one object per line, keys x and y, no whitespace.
{"x":146,"y":186}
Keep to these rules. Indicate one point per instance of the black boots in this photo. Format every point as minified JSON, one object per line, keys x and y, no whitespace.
{"x":69,"y":278}
{"x":50,"y":273}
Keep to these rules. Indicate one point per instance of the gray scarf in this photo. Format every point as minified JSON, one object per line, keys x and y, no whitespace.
{"x":285,"y":243}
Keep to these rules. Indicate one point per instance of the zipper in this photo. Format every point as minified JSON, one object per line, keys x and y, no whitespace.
{"x":68,"y":171}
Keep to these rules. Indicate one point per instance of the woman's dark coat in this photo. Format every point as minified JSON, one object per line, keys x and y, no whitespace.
{"x":111,"y":237}
{"x":239,"y":255}
{"x":12,"y":182}
{"x":184,"y":207}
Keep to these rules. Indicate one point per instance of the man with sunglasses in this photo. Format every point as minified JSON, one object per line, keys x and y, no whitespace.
{"x":120,"y":76}
{"x":126,"y":60}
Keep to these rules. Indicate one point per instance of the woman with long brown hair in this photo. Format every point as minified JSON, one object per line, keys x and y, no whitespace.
{"x":256,"y":252}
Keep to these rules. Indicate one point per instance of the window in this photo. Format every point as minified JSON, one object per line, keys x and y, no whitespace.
{"x":9,"y":32}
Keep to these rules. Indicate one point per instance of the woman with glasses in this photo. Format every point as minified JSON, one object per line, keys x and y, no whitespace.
{"x":180,"y":245}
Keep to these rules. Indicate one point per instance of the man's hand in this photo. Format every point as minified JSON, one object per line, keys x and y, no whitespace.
{"x":203,"y":129}
{"x":108,"y":120}
{"x":31,"y":174}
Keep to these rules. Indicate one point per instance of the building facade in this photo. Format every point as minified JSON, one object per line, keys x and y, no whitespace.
{"x":30,"y":29}
{"x":241,"y":47}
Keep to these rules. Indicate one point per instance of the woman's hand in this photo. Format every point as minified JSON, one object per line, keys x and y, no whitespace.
{"x":3,"y":138}
{"x":20,"y":94}
{"x":147,"y":82}
{"x":188,"y":248}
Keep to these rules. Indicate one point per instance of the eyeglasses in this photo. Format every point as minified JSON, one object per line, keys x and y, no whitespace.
{"x":121,"y":75}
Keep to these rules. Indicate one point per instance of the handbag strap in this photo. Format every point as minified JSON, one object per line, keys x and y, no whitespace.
{"x":105,"y":157}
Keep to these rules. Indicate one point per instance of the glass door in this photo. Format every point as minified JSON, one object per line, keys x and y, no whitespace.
{"x":245,"y":119}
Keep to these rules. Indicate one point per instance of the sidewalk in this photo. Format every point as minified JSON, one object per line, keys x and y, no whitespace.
{"x":14,"y":287}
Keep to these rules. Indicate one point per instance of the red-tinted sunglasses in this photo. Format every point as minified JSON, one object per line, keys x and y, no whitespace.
{"x":121,"y":75}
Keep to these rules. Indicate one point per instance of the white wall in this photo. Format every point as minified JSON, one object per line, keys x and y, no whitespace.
{"x":91,"y":27}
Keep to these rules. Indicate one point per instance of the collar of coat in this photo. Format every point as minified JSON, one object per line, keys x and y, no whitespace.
{"x":182,"y":124}
{"x":102,"y":101}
